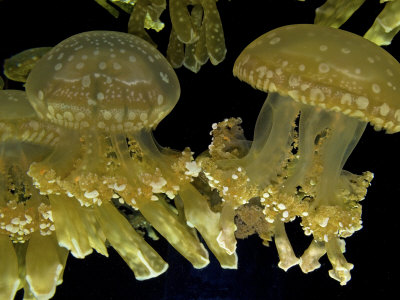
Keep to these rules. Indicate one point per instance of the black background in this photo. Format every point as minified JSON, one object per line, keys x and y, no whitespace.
{"x":207,"y":97}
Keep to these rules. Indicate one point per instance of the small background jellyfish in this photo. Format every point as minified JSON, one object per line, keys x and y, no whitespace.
{"x":196,"y":35}
{"x":207,"y":97}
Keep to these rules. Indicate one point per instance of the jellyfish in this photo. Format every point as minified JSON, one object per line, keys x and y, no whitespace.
{"x":30,"y":256}
{"x":18,"y":66}
{"x":324,"y":85}
{"x":109,"y":90}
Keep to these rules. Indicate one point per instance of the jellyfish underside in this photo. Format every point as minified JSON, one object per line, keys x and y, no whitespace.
{"x":195,"y":210}
{"x":273,"y":141}
{"x":131,"y":168}
{"x":295,"y":167}
{"x":325,"y":141}
{"x":81,"y":229}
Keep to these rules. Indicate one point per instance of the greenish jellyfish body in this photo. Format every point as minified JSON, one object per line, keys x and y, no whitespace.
{"x":110,"y":90}
{"x":17,"y":67}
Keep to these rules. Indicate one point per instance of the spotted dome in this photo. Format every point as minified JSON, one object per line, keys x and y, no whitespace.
{"x":110,"y":80}
{"x":328,"y":67}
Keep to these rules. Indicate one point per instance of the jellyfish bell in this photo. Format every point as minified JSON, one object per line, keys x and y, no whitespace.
{"x":110,"y":80}
{"x":336,"y":82}
{"x":112,"y":89}
{"x":330,"y":68}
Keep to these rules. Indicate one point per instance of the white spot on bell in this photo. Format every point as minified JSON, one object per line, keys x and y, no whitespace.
{"x":323,"y":48}
{"x":275,"y":40}
{"x":323,"y":68}
{"x":100,"y":96}
{"x":384,"y":109}
{"x":362,"y":102}
{"x":376,"y":88}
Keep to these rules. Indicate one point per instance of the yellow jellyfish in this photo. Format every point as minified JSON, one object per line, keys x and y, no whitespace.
{"x":17,"y":67}
{"x":109,"y":90}
{"x":30,"y":257}
{"x":332,"y":83}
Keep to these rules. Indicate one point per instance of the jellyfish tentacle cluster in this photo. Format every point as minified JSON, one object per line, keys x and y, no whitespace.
{"x":196,"y":35}
{"x":335,"y":13}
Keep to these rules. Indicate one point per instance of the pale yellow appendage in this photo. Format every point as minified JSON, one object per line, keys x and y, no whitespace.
{"x":141,"y":258}
{"x":154,"y":12}
{"x":112,"y":10}
{"x":157,"y":212}
{"x":201,"y":52}
{"x":215,"y":40}
{"x":200,"y":30}
{"x":310,"y":258}
{"x":287,"y":258}
{"x":182,"y":22}
{"x":221,"y":166}
{"x":335,"y":13}
{"x":137,"y":20}
{"x":175,"y":231}
{"x":226,"y":237}
{"x":175,"y":50}
{"x":9,"y":279}
{"x":335,"y":249}
{"x":273,"y":136}
{"x":44,"y":265}
{"x":1,"y":83}
{"x":386,"y":25}
{"x":76,"y":227}
{"x":190,"y":60}
{"x":341,"y":268}
{"x":200,"y":216}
